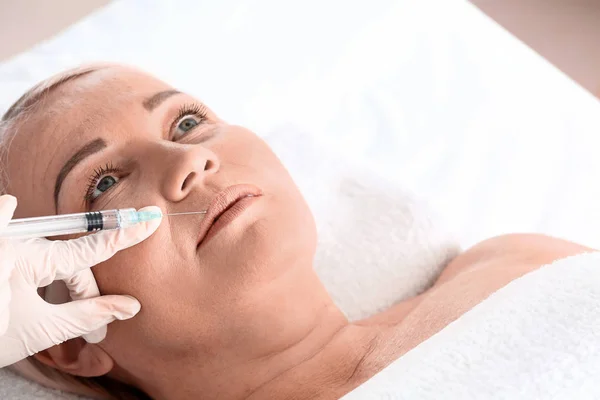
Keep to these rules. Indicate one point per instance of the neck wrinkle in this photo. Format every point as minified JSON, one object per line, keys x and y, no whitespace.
{"x":310,"y":355}
{"x":338,"y":367}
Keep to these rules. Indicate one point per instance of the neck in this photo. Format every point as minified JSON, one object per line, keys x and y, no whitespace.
{"x":324,"y":366}
{"x":317,"y":358}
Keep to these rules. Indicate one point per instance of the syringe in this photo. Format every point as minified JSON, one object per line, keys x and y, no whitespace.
{"x":67,"y":224}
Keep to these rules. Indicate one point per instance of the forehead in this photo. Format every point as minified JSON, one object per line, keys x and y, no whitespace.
{"x":117,"y":84}
{"x":63,"y":121}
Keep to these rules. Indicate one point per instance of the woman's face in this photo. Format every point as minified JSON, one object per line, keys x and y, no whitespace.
{"x":118,"y":138}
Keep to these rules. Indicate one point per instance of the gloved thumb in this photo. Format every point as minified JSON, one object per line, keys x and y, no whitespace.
{"x":8,"y":204}
{"x":82,"y":317}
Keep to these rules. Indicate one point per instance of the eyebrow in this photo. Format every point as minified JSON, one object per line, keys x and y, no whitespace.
{"x":156,"y":99}
{"x":91,"y":148}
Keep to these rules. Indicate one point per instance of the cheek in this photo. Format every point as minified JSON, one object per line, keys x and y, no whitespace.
{"x":129,"y":272}
{"x":175,"y":293}
{"x":154,"y":273}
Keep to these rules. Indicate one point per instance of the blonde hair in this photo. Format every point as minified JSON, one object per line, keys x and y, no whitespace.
{"x":28,"y":104}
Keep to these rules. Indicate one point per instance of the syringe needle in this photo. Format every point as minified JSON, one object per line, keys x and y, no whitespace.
{"x":186,"y":213}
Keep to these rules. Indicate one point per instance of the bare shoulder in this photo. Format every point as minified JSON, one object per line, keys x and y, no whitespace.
{"x":467,"y":281}
{"x":512,"y":249}
{"x":481,"y":270}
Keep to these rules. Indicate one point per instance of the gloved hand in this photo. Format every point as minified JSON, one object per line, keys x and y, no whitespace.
{"x":28,"y":324}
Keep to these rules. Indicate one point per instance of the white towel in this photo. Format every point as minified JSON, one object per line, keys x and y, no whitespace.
{"x":537,"y":338}
{"x":397,"y":252}
{"x":372,"y":234}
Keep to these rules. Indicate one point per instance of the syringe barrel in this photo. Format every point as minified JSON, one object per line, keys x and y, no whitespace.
{"x":68,"y":224}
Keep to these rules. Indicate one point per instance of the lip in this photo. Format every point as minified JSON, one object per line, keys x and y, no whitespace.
{"x":225,"y":207}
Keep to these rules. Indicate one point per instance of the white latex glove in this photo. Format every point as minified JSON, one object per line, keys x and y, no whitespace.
{"x":28,"y":324}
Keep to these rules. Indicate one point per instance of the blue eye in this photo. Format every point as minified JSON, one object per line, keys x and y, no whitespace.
{"x":188,"y":118}
{"x":103,"y":185}
{"x":104,"y":179}
{"x":185,"y":125}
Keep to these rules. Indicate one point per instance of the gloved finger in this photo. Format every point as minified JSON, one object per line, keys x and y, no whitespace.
{"x":7,"y":262}
{"x":8,"y":205}
{"x":4,"y":306}
{"x":81,"y":317}
{"x":6,"y":267}
{"x":81,"y":286}
{"x":62,"y":259}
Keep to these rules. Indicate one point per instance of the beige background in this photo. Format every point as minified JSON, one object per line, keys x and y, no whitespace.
{"x":566,"y":32}
{"x":23,"y":23}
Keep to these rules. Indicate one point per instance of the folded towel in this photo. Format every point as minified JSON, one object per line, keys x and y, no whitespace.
{"x":536,"y":338}
{"x":372,"y":235}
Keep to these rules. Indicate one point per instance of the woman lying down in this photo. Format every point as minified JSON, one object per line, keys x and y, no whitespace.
{"x":238,"y":313}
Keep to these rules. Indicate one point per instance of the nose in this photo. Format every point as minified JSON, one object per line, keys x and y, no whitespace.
{"x":187,"y":167}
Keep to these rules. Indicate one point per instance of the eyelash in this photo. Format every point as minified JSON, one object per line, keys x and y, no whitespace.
{"x":198,"y":110}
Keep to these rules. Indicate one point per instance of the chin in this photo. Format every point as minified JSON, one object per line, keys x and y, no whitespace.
{"x":263,"y":245}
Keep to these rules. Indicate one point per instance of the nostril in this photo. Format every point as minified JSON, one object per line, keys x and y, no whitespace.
{"x":188,"y":180}
{"x":209,"y":165}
